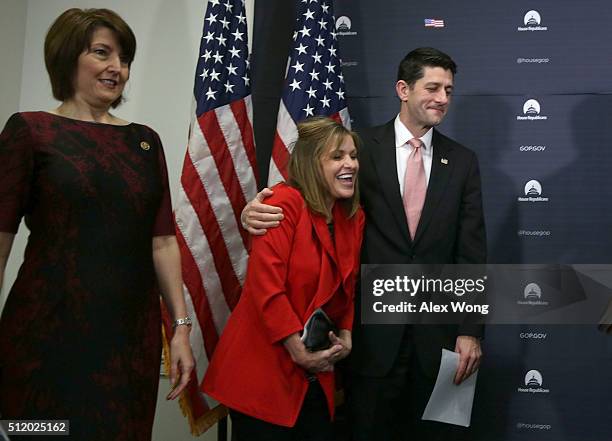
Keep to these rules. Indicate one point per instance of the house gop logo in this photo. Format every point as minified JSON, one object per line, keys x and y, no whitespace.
{"x":532,"y":18}
{"x":531,"y":107}
{"x":531,"y":111}
{"x":533,"y":378}
{"x":532,"y":21}
{"x":533,"y":383}
{"x":343,"y":26}
{"x":533,"y":291}
{"x":533,"y":192}
{"x":532,"y":296}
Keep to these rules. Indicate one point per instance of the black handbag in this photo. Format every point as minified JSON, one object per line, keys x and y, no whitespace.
{"x":316,"y":331}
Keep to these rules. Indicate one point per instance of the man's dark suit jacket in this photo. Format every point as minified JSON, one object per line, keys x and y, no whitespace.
{"x":451,"y":230}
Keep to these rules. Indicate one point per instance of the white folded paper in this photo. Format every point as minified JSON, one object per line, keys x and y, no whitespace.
{"x":451,"y":403}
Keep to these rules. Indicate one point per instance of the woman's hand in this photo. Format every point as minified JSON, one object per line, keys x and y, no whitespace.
{"x":181,"y":361}
{"x":167,"y":261}
{"x":313,"y":362}
{"x":344,"y":340}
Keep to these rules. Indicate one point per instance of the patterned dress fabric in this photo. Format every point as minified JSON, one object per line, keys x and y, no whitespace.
{"x":80,"y":331}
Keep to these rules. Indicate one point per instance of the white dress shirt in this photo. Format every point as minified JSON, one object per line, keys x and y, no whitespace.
{"x":403,"y":149}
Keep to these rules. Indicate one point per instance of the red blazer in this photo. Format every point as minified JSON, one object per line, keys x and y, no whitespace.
{"x":293,"y":269}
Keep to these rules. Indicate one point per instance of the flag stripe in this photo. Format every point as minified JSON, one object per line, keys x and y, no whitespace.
{"x":285,"y":136}
{"x":345,"y":118}
{"x":223,"y":279}
{"x":229,"y":248}
{"x":204,"y":326}
{"x":280,"y":160}
{"x":274,"y":174}
{"x":285,"y":126}
{"x":219,"y":148}
{"x":232,"y":120}
{"x":243,"y":113}
{"x":336,"y":117}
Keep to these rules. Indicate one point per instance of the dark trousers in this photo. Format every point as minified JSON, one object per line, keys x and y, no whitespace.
{"x":313,"y":423}
{"x":389,"y":408}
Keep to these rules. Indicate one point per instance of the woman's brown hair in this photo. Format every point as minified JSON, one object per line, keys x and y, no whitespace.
{"x":70,"y":35}
{"x":317,"y":136}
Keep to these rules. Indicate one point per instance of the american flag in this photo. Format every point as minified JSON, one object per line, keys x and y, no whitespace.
{"x":434,"y":23}
{"x":314,"y":84}
{"x":217,"y":180}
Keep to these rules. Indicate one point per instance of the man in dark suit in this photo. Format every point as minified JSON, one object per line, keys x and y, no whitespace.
{"x":394,"y":367}
{"x":422,"y":197}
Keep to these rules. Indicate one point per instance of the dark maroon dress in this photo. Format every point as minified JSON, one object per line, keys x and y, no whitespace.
{"x":80,"y":332}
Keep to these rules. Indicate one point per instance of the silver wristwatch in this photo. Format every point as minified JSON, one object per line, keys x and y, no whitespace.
{"x":182,"y":321}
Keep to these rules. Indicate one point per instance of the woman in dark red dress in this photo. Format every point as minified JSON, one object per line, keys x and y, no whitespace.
{"x":80,"y":331}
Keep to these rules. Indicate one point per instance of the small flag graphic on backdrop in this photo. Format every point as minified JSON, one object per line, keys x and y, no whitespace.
{"x":434,"y":23}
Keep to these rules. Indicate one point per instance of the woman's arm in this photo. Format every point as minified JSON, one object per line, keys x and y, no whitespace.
{"x":6,"y":243}
{"x":167,"y":261}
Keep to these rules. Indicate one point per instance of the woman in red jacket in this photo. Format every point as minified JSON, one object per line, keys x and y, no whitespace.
{"x":276,"y":388}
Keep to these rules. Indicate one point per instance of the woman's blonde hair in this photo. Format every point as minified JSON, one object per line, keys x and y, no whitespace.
{"x":317,"y":136}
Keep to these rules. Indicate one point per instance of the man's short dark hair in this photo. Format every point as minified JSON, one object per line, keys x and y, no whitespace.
{"x":411,"y":67}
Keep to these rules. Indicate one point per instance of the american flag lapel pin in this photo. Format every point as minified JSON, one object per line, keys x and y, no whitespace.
{"x":444,"y":161}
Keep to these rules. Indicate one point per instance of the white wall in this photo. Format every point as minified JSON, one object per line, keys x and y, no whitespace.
{"x":12,"y":39}
{"x":159,"y":94}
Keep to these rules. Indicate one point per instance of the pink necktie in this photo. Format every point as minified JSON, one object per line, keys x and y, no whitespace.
{"x":415,"y":186}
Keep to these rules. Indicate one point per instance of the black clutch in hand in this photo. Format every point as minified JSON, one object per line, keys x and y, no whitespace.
{"x":316,"y":331}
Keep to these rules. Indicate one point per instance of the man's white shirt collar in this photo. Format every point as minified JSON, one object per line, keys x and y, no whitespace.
{"x":403,"y":135}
